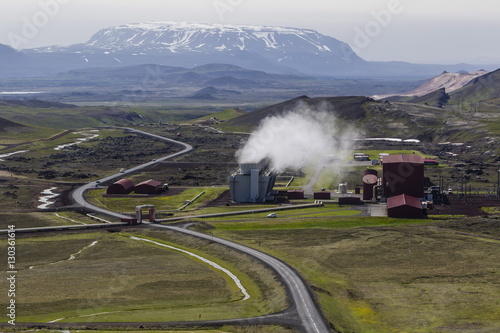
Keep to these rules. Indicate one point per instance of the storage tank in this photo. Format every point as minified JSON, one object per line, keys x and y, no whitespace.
{"x":343,"y":188}
{"x":369,"y":182}
{"x":371,"y":172}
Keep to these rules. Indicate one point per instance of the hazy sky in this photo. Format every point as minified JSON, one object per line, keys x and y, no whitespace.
{"x":420,"y":31}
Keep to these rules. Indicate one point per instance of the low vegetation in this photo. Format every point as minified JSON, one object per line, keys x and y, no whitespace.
{"x":136,"y":281}
{"x":416,"y":278}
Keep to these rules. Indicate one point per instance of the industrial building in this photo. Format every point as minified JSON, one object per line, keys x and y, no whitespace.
{"x":295,"y":194}
{"x":403,"y":185}
{"x":404,"y":206}
{"x":322,"y":195}
{"x":149,"y":187}
{"x":403,"y":174}
{"x":123,"y":186}
{"x":253,"y":182}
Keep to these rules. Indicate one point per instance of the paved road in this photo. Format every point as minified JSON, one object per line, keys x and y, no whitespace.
{"x":78,"y":195}
{"x":310,"y":317}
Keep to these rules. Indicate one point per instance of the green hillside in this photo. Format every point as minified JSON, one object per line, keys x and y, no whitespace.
{"x":348,"y":108}
{"x":437,"y":98}
{"x":481,"y":93}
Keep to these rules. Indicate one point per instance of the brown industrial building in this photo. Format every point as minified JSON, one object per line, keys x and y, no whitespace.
{"x":323,"y":195}
{"x":149,"y":187}
{"x":123,"y":186}
{"x":404,"y":206}
{"x":403,"y":174}
{"x":295,"y":194}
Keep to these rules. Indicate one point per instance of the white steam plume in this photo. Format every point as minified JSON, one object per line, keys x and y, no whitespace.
{"x":299,"y":137}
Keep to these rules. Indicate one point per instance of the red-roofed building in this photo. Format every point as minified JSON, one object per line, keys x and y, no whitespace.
{"x":123,"y":186}
{"x":404,"y":206}
{"x":403,"y":174}
{"x":149,"y":187}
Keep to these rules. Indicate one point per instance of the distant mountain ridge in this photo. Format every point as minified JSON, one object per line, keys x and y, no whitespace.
{"x":274,"y":49}
{"x":279,"y":50}
{"x":448,"y":81}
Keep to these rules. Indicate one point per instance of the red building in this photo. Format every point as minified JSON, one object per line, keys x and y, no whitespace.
{"x":403,"y":174}
{"x":123,"y":186}
{"x":295,"y":194}
{"x":149,"y":187}
{"x":323,"y":195}
{"x":404,"y":206}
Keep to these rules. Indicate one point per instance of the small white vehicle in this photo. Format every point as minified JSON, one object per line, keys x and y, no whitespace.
{"x":272,"y":215}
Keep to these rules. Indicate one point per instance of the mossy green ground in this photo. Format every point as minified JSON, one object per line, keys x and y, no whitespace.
{"x":225,"y":329}
{"x":385,"y":275}
{"x":163,"y":202}
{"x":101,"y":276}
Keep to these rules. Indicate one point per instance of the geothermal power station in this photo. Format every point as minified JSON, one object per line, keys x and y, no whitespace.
{"x":400,"y":187}
{"x":252,"y":183}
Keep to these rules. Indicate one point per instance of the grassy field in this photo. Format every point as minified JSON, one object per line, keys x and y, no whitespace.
{"x":41,"y":219}
{"x":386,"y":275}
{"x":135,"y":281}
{"x":223,"y":115}
{"x":162,"y":202}
{"x":225,"y":329}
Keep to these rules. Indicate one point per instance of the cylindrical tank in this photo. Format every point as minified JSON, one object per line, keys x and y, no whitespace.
{"x":343,"y":188}
{"x":369,"y":181}
{"x":371,"y":172}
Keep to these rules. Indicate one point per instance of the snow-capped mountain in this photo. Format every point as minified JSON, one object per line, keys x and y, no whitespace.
{"x":177,"y":37}
{"x":277,"y":49}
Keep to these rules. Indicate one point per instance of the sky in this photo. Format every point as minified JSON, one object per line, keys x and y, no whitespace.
{"x":417,"y":31}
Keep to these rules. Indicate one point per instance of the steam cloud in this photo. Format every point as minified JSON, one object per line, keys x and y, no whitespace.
{"x":299,"y":137}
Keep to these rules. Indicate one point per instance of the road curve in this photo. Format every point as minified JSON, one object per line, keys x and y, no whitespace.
{"x":78,"y":195}
{"x":310,"y":317}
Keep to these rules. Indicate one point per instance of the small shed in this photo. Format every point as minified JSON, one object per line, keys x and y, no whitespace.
{"x":149,"y":187}
{"x":323,"y":195}
{"x":404,"y":206}
{"x":123,"y":186}
{"x":295,"y":194}
{"x":350,"y":201}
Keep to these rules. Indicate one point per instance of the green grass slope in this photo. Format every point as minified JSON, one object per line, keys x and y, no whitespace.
{"x":349,"y":107}
{"x":484,"y":89}
{"x":437,"y":98}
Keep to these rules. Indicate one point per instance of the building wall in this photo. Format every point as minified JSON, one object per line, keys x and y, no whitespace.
{"x":323,"y":195}
{"x":147,"y":189}
{"x":405,"y":211}
{"x":403,"y":178}
{"x":123,"y":186}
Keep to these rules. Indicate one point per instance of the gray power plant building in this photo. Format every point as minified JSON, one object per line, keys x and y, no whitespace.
{"x":253,"y":182}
